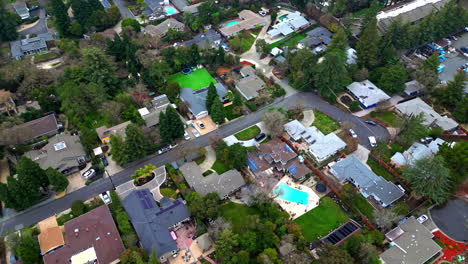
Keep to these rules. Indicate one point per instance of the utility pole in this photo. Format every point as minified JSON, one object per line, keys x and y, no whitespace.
{"x":110,"y":178}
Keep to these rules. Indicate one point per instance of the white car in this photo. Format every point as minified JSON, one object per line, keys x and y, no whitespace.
{"x":89,"y":174}
{"x":186,"y":136}
{"x":195,"y":132}
{"x":422,"y":219}
{"x":105,"y":196}
{"x":372,"y":141}
{"x":352,"y":133}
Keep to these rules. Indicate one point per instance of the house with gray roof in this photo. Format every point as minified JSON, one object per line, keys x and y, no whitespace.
{"x":151,"y":115}
{"x":416,"y":152}
{"x":292,"y":23}
{"x":46,"y":126}
{"x":161,"y":29}
{"x":193,"y":9}
{"x":413,"y":87}
{"x":155,"y":223}
{"x":207,"y":40}
{"x":316,"y":37}
{"x":30,"y":46}
{"x":370,"y":185}
{"x":21,"y":9}
{"x":196,"y":100}
{"x":63,"y":152}
{"x":250,"y":85}
{"x":367,"y":94}
{"x":412,"y":243}
{"x":321,"y":146}
{"x":224,"y":184}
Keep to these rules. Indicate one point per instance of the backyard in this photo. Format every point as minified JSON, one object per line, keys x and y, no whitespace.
{"x":389,"y":117}
{"x":248,"y":133}
{"x":242,"y":42}
{"x":196,"y":80}
{"x":319,"y":221}
{"x":324,"y":123}
{"x":379,"y":170}
{"x":358,"y":201}
{"x":237,"y":215}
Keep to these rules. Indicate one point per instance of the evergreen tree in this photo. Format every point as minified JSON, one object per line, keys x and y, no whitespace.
{"x":116,"y":47}
{"x":393,"y":79}
{"x":61,"y":19}
{"x":164,"y":128}
{"x":367,"y":47}
{"x":217,"y":111}
{"x":58,"y":180}
{"x":176,"y":125}
{"x":118,"y":151}
{"x":8,"y":23}
{"x":211,"y":96}
{"x":331,"y":75}
{"x":130,"y":22}
{"x":98,"y":69}
{"x":339,"y":42}
{"x":30,"y":171}
{"x":452,"y":95}
{"x":136,"y":144}
{"x":432,"y":63}
{"x":237,"y":101}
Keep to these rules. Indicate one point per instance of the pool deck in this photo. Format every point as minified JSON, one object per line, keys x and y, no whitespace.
{"x":295,"y":209}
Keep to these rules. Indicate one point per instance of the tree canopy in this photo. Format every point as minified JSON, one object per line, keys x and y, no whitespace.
{"x":8,"y":23}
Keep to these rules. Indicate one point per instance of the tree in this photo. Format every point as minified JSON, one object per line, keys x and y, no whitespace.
{"x":164,"y":129}
{"x":217,"y":111}
{"x":413,"y":129}
{"x":61,"y":19}
{"x":269,"y":256}
{"x":172,"y":91}
{"x":8,"y":23}
{"x":330,"y":254}
{"x":131,"y":22}
{"x":153,"y":259}
{"x":225,"y":246}
{"x":367,"y":47}
{"x":432,"y":62}
{"x":176,"y":125}
{"x":134,"y":256}
{"x":204,"y":207}
{"x":58,"y":180}
{"x":211,"y":95}
{"x":136,"y":144}
{"x":431,"y":178}
{"x":453,"y":94}
{"x":274,"y":121}
{"x":30,"y":171}
{"x":78,"y":208}
{"x":456,"y":159}
{"x":237,"y":101}
{"x":339,"y":42}
{"x":262,"y":46}
{"x":386,"y":218}
{"x":331,"y":75}
{"x":118,"y":151}
{"x":237,"y":155}
{"x":461,"y":111}
{"x":28,"y":249}
{"x":98,"y":69}
{"x":393,"y":80}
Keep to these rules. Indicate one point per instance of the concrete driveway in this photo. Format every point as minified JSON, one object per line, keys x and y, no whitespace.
{"x":452,"y":219}
{"x":39,"y":28}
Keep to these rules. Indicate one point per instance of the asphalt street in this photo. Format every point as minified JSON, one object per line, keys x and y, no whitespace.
{"x":452,"y":219}
{"x":305,"y":100}
{"x":39,"y":28}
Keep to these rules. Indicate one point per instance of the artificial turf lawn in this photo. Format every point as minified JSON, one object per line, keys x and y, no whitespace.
{"x":379,"y":170}
{"x":196,"y":80}
{"x":324,"y":123}
{"x":248,"y":133}
{"x":319,"y":221}
{"x":219,"y":167}
{"x":237,"y":215}
{"x":390,"y":118}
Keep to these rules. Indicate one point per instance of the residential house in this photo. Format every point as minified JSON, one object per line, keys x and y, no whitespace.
{"x":321,"y":146}
{"x":413,"y":87}
{"x":89,"y":238}
{"x":250,"y":85}
{"x":50,"y":235}
{"x":104,"y":132}
{"x":411,"y":242}
{"x":276,"y":154}
{"x":407,"y":12}
{"x":339,"y":235}
{"x":180,"y":4}
{"x":161,"y":29}
{"x":196,"y":100}
{"x":367,"y":93}
{"x":151,"y":116}
{"x":154,"y":223}
{"x":417,"y":107}
{"x":370,"y":185}
{"x":63,"y":152}
{"x":7,"y":104}
{"x":209,"y":39}
{"x":416,"y":152}
{"x":46,"y":126}
{"x":193,"y":9}
{"x":21,"y":9}
{"x":292,"y":23}
{"x":316,"y":37}
{"x":248,"y":20}
{"x":19,"y":49}
{"x":224,"y":184}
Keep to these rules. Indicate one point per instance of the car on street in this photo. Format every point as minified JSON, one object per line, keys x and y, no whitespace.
{"x":163,"y":150}
{"x":260,"y":137}
{"x":372,"y":141}
{"x":104,"y":161}
{"x":422,"y":219}
{"x":370,"y":122}
{"x":173,"y":146}
{"x":200,"y":124}
{"x":105,"y":196}
{"x":186,"y":135}
{"x":352,"y":133}
{"x":195,"y":132}
{"x":89,"y":174}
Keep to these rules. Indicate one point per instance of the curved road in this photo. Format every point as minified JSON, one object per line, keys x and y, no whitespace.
{"x":306,"y":100}
{"x":39,"y":28}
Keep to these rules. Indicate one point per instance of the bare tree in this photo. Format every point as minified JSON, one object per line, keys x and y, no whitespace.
{"x":385,"y":218}
{"x":274,"y":121}
{"x":217,"y":226}
{"x":112,"y":110}
{"x":263,"y":97}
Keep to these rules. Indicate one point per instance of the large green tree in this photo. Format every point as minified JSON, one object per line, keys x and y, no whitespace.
{"x":393,"y":80}
{"x":225,"y":246}
{"x":453,"y":94}
{"x":217,"y":111}
{"x":211,"y":96}
{"x":330,"y":254}
{"x":131,"y":22}
{"x":31,"y":171}
{"x":331,"y":75}
{"x":431,"y":178}
{"x":413,"y":129}
{"x":136,"y":144}
{"x":339,"y":42}
{"x":57,"y":179}
{"x":119,"y":153}
{"x":61,"y":19}
{"x":456,"y":159}
{"x":8,"y":23}
{"x":204,"y":207}
{"x":367,"y":47}
{"x":99,"y":70}
{"x":28,"y":249}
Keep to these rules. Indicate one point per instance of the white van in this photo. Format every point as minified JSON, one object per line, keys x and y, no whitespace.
{"x":372,"y":141}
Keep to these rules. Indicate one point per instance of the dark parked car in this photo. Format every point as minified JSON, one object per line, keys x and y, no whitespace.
{"x":104,"y":161}
{"x":260,"y":137}
{"x":370,"y":122}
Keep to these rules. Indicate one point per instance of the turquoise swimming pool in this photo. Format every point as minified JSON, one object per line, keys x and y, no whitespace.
{"x":290,"y":194}
{"x":169,"y":10}
{"x":281,"y":18}
{"x":230,"y":23}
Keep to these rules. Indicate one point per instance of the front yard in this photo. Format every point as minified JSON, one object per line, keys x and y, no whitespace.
{"x":248,"y":133}
{"x":237,"y":215}
{"x":389,"y":117}
{"x":325,"y":123}
{"x":228,"y":112}
{"x":319,"y":221}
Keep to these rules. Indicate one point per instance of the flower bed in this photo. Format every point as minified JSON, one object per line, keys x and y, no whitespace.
{"x":143,"y":175}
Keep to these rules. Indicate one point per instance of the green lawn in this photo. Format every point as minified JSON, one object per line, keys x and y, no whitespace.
{"x":319,"y":221}
{"x":358,"y":201}
{"x":200,"y":160}
{"x":379,"y":170}
{"x":195,"y":80}
{"x":390,"y":118}
{"x":248,"y":133}
{"x":219,"y":167}
{"x":324,"y":123}
{"x":294,"y":40}
{"x":229,"y":114}
{"x":364,"y":11}
{"x":45,"y":57}
{"x":237,"y":215}
{"x":168,"y":192}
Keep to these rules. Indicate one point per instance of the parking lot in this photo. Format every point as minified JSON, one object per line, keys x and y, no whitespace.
{"x":454,"y":60}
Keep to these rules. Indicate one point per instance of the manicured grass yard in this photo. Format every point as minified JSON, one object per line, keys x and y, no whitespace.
{"x":45,"y":56}
{"x":379,"y":170}
{"x":198,"y":79}
{"x":237,"y":215}
{"x":324,"y":123}
{"x":319,"y":221}
{"x":390,"y":118}
{"x":168,"y":192}
{"x":219,"y":167}
{"x":358,"y":201}
{"x":248,"y":133}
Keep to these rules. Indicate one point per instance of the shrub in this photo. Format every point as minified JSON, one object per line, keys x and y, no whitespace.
{"x":354,"y":106}
{"x":78,"y":208}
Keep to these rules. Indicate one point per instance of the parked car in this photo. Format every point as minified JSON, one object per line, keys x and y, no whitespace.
{"x":186,"y":136}
{"x":372,"y":141}
{"x":163,"y":150}
{"x":104,"y":161}
{"x":89,"y":174}
{"x":370,"y":122}
{"x":352,"y":133}
{"x":260,"y":137}
{"x":105,"y":196}
{"x":200,"y":124}
{"x":195,"y":132}
{"x":426,"y":140}
{"x":422,"y":219}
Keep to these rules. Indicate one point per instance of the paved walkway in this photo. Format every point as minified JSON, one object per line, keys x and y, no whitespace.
{"x":393,"y":101}
{"x":309,"y":118}
{"x":210,"y":158}
{"x":231,"y":140}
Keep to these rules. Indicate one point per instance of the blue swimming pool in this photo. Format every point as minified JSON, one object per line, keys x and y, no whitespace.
{"x":169,"y":10}
{"x":290,"y":194}
{"x":230,"y":23}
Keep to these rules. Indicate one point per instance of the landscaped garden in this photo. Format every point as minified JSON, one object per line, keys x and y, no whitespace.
{"x":241,"y":42}
{"x":45,"y":57}
{"x":219,"y":167}
{"x":196,"y":80}
{"x":248,"y":133}
{"x":229,"y":112}
{"x":237,"y":215}
{"x":324,"y":123}
{"x":319,"y":221}
{"x":389,"y":117}
{"x":379,"y":170}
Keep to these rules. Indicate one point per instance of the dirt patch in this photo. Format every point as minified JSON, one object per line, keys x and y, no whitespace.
{"x":75,"y":182}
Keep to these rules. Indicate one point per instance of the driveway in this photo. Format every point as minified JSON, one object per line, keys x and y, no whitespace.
{"x":231,"y":140}
{"x":39,"y":28}
{"x":452,"y":219}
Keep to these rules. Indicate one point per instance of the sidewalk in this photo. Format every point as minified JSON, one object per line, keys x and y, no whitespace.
{"x":210,"y":158}
{"x":309,"y":118}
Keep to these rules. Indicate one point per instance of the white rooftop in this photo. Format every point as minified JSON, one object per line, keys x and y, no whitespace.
{"x":416,"y":152}
{"x":404,"y":8}
{"x":143,"y":111}
{"x":367,"y":93}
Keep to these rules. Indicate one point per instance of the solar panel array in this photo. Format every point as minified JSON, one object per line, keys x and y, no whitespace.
{"x":287,"y":148}
{"x":173,"y":205}
{"x":292,"y":169}
{"x":341,"y":233}
{"x":144,"y":199}
{"x":252,"y":164}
